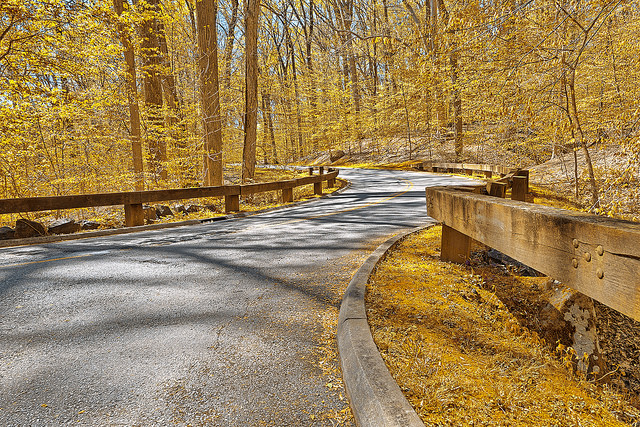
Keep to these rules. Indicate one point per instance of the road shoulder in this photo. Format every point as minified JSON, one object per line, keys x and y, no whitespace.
{"x":374,"y":396}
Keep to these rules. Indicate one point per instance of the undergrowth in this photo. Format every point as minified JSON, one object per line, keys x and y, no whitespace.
{"x":461,"y":358}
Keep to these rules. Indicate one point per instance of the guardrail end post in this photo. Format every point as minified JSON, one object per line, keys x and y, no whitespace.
{"x":519,"y":188}
{"x":455,"y":246}
{"x":231,"y":203}
{"x":133,"y":215}
{"x":317,"y":188}
{"x":497,"y":189}
{"x":287,"y":195}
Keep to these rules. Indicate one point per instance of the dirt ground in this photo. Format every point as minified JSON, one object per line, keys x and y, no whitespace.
{"x":523,"y":296}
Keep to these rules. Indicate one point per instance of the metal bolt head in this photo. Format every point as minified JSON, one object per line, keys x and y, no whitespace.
{"x":600,"y":273}
{"x":575,"y":243}
{"x":600,"y":250}
{"x":575,"y":263}
{"x":587,"y":256}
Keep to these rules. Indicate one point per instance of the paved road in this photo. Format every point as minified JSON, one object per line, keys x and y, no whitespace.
{"x":224,"y":323}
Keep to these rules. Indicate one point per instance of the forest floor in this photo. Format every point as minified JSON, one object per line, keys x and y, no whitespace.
{"x":491,"y":380}
{"x":462,"y":343}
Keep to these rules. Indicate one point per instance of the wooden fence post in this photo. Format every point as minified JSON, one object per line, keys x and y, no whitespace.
{"x":455,"y":246}
{"x":519,"y":188}
{"x":231,"y":203}
{"x":525,"y":174}
{"x":331,"y":182}
{"x":321,"y":170}
{"x":311,"y":171}
{"x":133,"y":215}
{"x":488,"y":174}
{"x":287,"y":195}
{"x":317,"y":188}
{"x":497,"y":189}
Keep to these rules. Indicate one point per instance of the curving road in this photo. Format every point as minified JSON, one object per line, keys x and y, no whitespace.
{"x":224,"y":323}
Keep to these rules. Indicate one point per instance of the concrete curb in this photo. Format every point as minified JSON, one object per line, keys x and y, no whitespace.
{"x":375,"y":398}
{"x":115,"y":231}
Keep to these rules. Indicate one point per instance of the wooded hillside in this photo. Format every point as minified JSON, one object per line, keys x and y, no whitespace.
{"x":112,"y":95}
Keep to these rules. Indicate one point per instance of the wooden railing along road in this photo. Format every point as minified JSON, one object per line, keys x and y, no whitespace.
{"x":133,"y":200}
{"x":466,"y":168}
{"x":597,"y":256}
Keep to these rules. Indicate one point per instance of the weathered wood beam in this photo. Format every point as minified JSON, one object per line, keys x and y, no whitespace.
{"x":455,"y":247}
{"x":133,"y":215}
{"x":35,"y":204}
{"x":469,"y":166}
{"x":597,"y":256}
{"x":519,"y":188}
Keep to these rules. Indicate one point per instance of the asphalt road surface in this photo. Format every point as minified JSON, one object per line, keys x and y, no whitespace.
{"x":225,"y":323}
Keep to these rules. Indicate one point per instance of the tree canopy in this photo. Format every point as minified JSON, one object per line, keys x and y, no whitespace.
{"x":539,"y":78}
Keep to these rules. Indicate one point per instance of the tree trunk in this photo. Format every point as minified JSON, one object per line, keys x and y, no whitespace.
{"x":151,"y":60}
{"x":441,"y":110}
{"x":579,"y":134}
{"x":387,"y":52}
{"x":268,"y":126}
{"x":206,"y":11}
{"x":228,"y":47}
{"x":132,"y":96}
{"x":313,"y":100}
{"x":252,"y":13}
{"x":296,"y":90}
{"x":168,"y":79}
{"x":346,"y":19}
{"x":457,"y":104}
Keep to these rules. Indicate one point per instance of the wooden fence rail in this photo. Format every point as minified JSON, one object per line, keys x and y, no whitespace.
{"x":597,"y":256}
{"x":466,"y":168}
{"x":133,"y":200}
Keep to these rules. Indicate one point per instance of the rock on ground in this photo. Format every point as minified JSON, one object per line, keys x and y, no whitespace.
{"x":150,"y":213}
{"x":27,"y":228}
{"x":163,"y":210}
{"x":7,"y":233}
{"x":64,"y":226}
{"x":89,"y":225}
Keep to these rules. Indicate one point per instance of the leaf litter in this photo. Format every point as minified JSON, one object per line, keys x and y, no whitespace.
{"x":462,"y":358}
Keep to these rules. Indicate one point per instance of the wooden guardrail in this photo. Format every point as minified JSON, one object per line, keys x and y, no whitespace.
{"x":133,"y":200}
{"x":466,"y":168}
{"x":597,"y":256}
{"x":515,"y":178}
